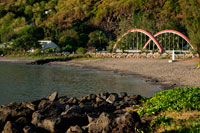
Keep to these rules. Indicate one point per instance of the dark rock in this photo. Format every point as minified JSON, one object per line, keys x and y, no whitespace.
{"x":88,"y":109}
{"x":29,"y":105}
{"x":122,"y":94}
{"x":105,"y":107}
{"x":127,"y":122}
{"x":101,"y":125}
{"x":48,"y":117}
{"x":48,"y":123}
{"x":29,"y":129}
{"x":74,"y":109}
{"x":72,"y":101}
{"x":21,"y":122}
{"x":43,"y":104}
{"x":99,"y":99}
{"x":53,"y":96}
{"x":112,"y":98}
{"x":92,"y":117}
{"x":63,"y":100}
{"x":10,"y":127}
{"x":104,"y":95}
{"x":83,"y":99}
{"x":73,"y":120}
{"x":13,"y":111}
{"x":74,"y":129}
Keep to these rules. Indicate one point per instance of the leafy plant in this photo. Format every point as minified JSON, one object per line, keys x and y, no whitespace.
{"x":81,"y":50}
{"x":173,"y":99}
{"x":50,"y":50}
{"x":198,"y":65}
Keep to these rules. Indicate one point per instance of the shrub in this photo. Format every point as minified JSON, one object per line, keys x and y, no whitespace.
{"x":37,"y":52}
{"x":50,"y":50}
{"x":110,"y":47}
{"x":81,"y":50}
{"x":172,"y":100}
{"x":68,"y":48}
{"x":198,"y":65}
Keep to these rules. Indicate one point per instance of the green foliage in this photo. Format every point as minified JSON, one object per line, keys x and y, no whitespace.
{"x":97,"y":39}
{"x":50,"y":50}
{"x":76,"y":22}
{"x":5,"y":51}
{"x":160,"y":120}
{"x":25,"y":42}
{"x":69,"y":37}
{"x":198,"y":65}
{"x":35,"y":32}
{"x":172,"y":100}
{"x":68,"y":48}
{"x":37,"y":52}
{"x":81,"y":50}
{"x":191,"y":18}
{"x":110,"y":47}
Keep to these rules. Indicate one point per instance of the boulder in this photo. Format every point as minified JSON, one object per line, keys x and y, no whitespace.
{"x":29,"y":105}
{"x":126,"y":122}
{"x":112,"y":98}
{"x":74,"y":129}
{"x":122,"y":94}
{"x":21,"y":122}
{"x":43,"y":104}
{"x":102,"y":124}
{"x":48,"y":117}
{"x":74,"y":109}
{"x":72,"y":101}
{"x":10,"y":127}
{"x":104,"y":95}
{"x":99,"y":99}
{"x":92,"y":117}
{"x":53,"y":96}
{"x":63,"y":100}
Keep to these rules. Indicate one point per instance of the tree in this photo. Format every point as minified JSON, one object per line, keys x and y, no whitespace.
{"x":27,"y":38}
{"x":9,"y":25}
{"x":191,"y":11}
{"x":97,"y":39}
{"x":25,"y":42}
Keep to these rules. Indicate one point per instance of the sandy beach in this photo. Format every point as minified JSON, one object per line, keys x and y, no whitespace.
{"x":178,"y":74}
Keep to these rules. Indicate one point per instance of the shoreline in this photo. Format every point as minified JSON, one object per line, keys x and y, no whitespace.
{"x":164,"y":81}
{"x":123,"y":67}
{"x":147,"y":79}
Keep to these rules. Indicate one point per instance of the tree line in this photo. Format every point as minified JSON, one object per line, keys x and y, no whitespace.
{"x":82,"y":23}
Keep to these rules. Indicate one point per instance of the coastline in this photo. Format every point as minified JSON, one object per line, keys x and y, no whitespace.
{"x":155,"y":71}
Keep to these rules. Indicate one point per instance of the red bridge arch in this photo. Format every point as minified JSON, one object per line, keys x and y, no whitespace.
{"x":170,"y":31}
{"x":144,"y":32}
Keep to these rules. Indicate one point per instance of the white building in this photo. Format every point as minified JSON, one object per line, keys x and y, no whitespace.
{"x":49,"y":44}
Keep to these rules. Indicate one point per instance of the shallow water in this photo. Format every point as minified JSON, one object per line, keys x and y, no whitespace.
{"x":20,"y":82}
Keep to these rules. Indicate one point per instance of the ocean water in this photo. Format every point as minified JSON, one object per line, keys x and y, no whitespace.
{"x":20,"y":82}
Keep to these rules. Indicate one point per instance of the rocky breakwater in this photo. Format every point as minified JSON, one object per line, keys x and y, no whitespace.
{"x":94,"y":113}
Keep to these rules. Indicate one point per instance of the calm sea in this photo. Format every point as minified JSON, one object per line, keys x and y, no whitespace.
{"x":20,"y":82}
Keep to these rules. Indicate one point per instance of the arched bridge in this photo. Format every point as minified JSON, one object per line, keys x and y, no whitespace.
{"x":139,"y":39}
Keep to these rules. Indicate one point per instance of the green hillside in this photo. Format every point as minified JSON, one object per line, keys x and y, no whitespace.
{"x":81,"y":23}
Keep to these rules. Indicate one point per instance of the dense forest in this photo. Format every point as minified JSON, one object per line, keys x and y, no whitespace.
{"x":82,"y":23}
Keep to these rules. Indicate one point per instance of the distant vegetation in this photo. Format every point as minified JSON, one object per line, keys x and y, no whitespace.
{"x":81,"y":23}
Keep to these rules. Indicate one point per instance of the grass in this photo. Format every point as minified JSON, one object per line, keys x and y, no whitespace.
{"x":74,"y":57}
{"x":173,"y":110}
{"x":198,"y":65}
